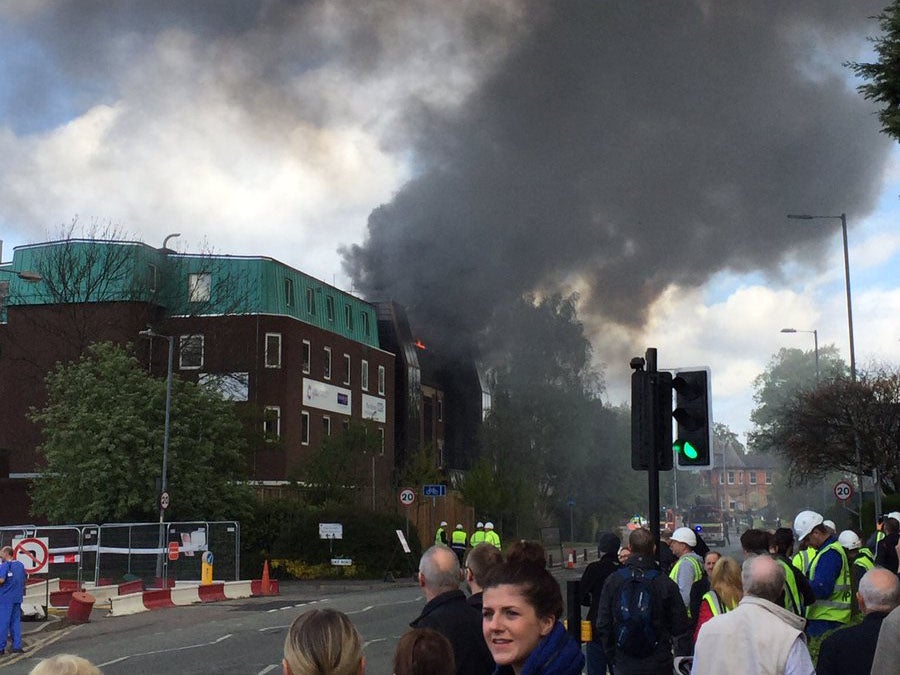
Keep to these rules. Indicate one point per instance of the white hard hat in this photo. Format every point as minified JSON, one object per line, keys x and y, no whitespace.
{"x":459,"y":526}
{"x":685,"y":535}
{"x":830,"y":525}
{"x":489,"y":525}
{"x":479,"y":524}
{"x":895,"y":515}
{"x":849,"y":539}
{"x":443,"y":523}
{"x":805,"y":522}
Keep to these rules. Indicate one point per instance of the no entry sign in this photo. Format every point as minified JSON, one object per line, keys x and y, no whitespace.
{"x":32,"y":552}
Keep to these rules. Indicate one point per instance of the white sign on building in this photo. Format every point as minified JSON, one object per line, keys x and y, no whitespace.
{"x":326,"y":397}
{"x":374,"y":408}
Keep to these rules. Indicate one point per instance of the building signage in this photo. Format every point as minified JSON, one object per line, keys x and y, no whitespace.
{"x":326,"y":397}
{"x":373,"y":408}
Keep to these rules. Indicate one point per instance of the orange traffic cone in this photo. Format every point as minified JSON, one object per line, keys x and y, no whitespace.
{"x":570,"y":563}
{"x":265,"y":578}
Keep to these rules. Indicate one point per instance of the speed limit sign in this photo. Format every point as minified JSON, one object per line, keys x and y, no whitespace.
{"x":843,"y":490}
{"x":407,"y":496}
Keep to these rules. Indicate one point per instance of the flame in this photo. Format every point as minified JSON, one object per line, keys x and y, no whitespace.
{"x":420,"y":345}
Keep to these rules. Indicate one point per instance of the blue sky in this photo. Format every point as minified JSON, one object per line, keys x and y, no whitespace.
{"x":273,"y":128}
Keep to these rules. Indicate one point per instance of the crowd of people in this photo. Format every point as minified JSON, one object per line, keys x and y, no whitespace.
{"x":681,"y":605}
{"x":710,"y":613}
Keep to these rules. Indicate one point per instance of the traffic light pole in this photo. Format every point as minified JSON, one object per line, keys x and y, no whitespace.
{"x":653,"y":470}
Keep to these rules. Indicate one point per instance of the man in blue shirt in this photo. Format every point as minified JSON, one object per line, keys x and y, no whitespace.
{"x":12,"y":590}
{"x":829,"y":575}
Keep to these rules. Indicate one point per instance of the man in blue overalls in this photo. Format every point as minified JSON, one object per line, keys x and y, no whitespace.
{"x":12,"y":590}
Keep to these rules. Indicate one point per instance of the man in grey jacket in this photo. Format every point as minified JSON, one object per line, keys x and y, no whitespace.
{"x":758,"y":636}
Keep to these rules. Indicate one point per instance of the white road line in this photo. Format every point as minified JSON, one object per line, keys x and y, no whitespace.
{"x":165,"y":651}
{"x":266,"y":630}
{"x":269,"y":669}
{"x":360,"y":611}
{"x":372,"y":642}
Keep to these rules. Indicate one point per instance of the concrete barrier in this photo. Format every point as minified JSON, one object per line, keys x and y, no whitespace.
{"x":132,"y":603}
{"x":122,"y":605}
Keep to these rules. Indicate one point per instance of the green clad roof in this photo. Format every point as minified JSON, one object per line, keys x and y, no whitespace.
{"x":185,"y":284}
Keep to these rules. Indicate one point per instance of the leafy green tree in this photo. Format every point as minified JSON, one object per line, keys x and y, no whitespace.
{"x":789,"y":372}
{"x":883,"y":75}
{"x":340,"y":466}
{"x":420,"y":468}
{"x":103,"y":444}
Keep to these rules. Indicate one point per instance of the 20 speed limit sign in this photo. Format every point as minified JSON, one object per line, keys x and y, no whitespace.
{"x":843,"y":490}
{"x":407,"y":496}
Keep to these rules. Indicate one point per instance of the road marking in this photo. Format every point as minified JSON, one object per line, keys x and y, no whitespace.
{"x":360,"y":611}
{"x":372,"y":642}
{"x":165,"y":651}
{"x":269,"y":669}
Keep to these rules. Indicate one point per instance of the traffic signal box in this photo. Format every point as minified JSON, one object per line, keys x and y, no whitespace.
{"x":651,"y":420}
{"x":693,"y":413}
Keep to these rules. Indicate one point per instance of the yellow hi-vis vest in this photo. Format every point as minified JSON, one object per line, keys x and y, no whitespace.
{"x":458,"y":538}
{"x":802,"y":559}
{"x":837,"y":606}
{"x":438,"y":539}
{"x":476,"y":538}
{"x":492,"y":537}
{"x":792,"y":600}
{"x":865,"y":560}
{"x":715,"y":604}
{"x":698,"y":570}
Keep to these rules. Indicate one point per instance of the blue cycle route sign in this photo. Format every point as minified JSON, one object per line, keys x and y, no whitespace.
{"x":434,"y":490}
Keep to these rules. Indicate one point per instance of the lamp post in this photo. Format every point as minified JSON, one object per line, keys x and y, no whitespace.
{"x":843,"y":219}
{"x":164,"y":485}
{"x":815,"y":334}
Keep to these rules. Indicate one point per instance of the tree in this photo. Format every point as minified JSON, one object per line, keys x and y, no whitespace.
{"x":884,"y":74}
{"x":339,"y":466}
{"x":789,"y":372}
{"x":820,"y":429}
{"x":103,"y":443}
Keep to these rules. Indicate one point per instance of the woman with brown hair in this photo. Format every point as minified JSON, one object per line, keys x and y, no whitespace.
{"x":725,"y":591}
{"x":424,"y":651}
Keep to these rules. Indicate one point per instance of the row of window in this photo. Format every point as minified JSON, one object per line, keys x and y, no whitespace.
{"x":751,"y":477}
{"x":272,"y":425}
{"x":273,"y":360}
{"x":329,"y":306}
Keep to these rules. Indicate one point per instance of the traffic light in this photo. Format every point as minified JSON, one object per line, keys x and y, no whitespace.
{"x":693,"y":413}
{"x":651,"y":421}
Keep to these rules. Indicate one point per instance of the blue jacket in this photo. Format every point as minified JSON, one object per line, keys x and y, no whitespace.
{"x":556,"y":654}
{"x":13,"y":574}
{"x":828,"y":568}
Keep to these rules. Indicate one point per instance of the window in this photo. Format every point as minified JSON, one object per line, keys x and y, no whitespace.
{"x":304,"y":428}
{"x":199,"y":287}
{"x":721,"y":478}
{"x":190,"y":352}
{"x":381,"y":380}
{"x":381,"y":438}
{"x":364,"y":375}
{"x":440,"y":410}
{"x":152,"y":277}
{"x":327,"y":364}
{"x":731,"y":477}
{"x":307,"y":356}
{"x":310,"y":301}
{"x":326,"y":425}
{"x":329,"y":308}
{"x":365,"y":322}
{"x":272,"y":422}
{"x":346,"y":369}
{"x":740,"y":477}
{"x":289,"y":292}
{"x":768,"y":477}
{"x":348,"y":316}
{"x":273,"y":350}
{"x":752,"y":478}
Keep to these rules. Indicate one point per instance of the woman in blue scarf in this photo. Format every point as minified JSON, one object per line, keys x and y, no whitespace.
{"x":522,"y":607}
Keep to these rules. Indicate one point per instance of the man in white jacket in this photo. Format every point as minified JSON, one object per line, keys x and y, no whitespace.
{"x":759,"y":637}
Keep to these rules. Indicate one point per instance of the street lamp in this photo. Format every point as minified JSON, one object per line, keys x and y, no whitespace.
{"x":163,"y":494}
{"x":843,"y":219}
{"x":815,"y":334}
{"x":25,"y":275}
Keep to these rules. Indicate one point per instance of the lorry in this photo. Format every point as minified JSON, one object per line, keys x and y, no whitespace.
{"x":706,"y":520}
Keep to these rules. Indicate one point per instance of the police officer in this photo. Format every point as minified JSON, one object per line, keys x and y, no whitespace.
{"x":458,"y":542}
{"x":440,"y":537}
{"x":829,"y":575}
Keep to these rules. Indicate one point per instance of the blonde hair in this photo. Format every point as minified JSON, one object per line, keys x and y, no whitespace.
{"x":725,"y":580}
{"x":65,"y":664}
{"x":323,"y":642}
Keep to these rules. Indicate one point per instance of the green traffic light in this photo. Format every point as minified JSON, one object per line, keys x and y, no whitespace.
{"x":685,"y":448}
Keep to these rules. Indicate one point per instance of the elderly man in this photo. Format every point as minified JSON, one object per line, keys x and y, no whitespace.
{"x":759,"y":636}
{"x":447,"y":612}
{"x":852,"y":649}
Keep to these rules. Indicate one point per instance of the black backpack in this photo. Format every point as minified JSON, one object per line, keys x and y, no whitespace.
{"x":633,"y":621}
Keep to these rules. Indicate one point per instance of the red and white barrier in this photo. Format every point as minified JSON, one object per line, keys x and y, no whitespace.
{"x":162,"y":598}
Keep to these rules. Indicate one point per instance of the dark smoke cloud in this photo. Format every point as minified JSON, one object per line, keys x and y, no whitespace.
{"x":635,"y":145}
